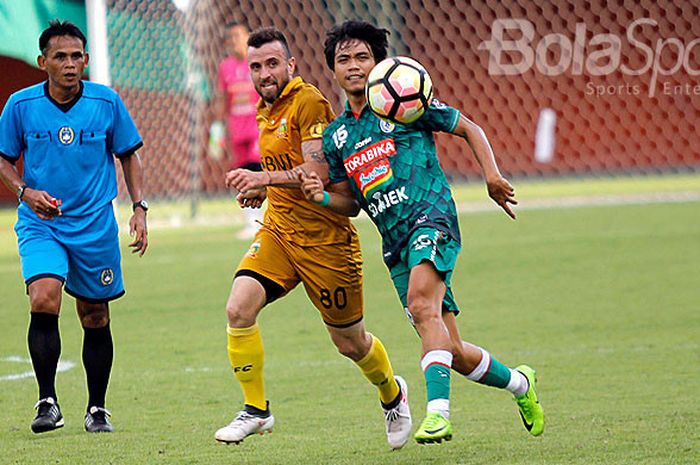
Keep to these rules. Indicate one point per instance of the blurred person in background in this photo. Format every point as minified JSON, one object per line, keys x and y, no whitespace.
{"x":235,"y":128}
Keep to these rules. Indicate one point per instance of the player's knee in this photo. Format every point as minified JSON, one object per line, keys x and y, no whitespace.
{"x":93,"y":315}
{"x":239,"y":315}
{"x":94,"y":321}
{"x":423,"y":311}
{"x":350,"y":348}
{"x":45,"y":302}
{"x":353,"y":342}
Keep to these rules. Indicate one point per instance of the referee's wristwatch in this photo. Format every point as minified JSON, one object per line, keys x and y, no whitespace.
{"x":20,"y":191}
{"x":142,"y":204}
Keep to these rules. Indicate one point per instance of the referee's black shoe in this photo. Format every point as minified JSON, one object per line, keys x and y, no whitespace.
{"x":97,"y":421}
{"x":48,"y":416}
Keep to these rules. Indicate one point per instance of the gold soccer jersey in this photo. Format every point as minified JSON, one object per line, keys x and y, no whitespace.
{"x":301,"y":113}
{"x":302,"y":241}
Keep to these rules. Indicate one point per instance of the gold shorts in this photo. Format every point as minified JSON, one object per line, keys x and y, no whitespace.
{"x":331,"y":274}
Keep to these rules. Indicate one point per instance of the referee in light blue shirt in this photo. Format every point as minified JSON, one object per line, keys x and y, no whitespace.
{"x":69,"y":133}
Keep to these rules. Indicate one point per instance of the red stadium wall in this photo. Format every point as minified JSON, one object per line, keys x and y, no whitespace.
{"x":15,"y":75}
{"x":606,"y":124}
{"x":610,"y":123}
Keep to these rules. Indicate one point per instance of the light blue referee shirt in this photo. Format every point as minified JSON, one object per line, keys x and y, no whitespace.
{"x":68,"y":148}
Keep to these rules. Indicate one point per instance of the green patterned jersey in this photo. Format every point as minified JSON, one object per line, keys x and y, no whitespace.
{"x":394,"y":172}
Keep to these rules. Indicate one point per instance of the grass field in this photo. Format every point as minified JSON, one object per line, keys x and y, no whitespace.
{"x":604,"y":301}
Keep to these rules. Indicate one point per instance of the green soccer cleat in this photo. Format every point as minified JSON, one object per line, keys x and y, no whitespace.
{"x":434,"y":428}
{"x":530,"y":409}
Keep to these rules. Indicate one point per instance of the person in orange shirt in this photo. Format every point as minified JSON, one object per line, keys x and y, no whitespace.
{"x":285,"y":252}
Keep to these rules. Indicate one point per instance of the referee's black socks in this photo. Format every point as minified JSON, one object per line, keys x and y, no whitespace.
{"x":98,"y":353}
{"x":44,"y":343}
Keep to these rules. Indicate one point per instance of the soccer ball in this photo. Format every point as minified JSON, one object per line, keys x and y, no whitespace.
{"x":399,"y":89}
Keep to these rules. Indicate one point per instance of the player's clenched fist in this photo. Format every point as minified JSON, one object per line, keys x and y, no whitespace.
{"x":42,"y":203}
{"x":312,"y":187}
{"x":243,"y":180}
{"x":252,"y":198}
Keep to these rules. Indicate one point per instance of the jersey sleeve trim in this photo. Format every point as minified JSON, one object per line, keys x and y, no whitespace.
{"x":129,"y":152}
{"x":455,"y":121}
{"x":9,"y":158}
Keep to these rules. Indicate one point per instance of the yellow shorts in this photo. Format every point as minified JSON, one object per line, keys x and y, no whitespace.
{"x":332,"y":274}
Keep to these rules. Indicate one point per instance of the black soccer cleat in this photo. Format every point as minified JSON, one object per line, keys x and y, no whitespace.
{"x":97,"y":421}
{"x":48,"y":416}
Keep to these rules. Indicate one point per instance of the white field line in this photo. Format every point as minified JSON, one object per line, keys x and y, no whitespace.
{"x":63,"y":365}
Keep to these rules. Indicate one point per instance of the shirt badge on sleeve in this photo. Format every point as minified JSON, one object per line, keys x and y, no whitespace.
{"x":317,"y":130}
{"x":254,"y":249}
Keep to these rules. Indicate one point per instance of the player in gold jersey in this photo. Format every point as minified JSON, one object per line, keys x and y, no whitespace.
{"x":292,"y":116}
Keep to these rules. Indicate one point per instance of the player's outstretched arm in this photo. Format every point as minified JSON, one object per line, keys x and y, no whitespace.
{"x":131,"y":165}
{"x":338,"y":197}
{"x":41,"y":202}
{"x":312,"y":150}
{"x":498,"y":187}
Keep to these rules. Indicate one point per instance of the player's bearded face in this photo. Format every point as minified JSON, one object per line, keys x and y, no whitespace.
{"x":270,"y":69}
{"x":353,"y":62}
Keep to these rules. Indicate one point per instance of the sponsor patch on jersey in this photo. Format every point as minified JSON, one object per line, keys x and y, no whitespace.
{"x":379,"y":201}
{"x":107,"y":277}
{"x":369,"y":180}
{"x":370,"y":155}
{"x":386,"y":126}
{"x":66,"y":135}
{"x":363,"y":142}
{"x":370,"y":167}
{"x":283,"y":130}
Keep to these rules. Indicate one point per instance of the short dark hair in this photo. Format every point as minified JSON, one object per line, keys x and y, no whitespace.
{"x":376,"y":38}
{"x":58,"y":28}
{"x":266,"y":35}
{"x":234,"y":23}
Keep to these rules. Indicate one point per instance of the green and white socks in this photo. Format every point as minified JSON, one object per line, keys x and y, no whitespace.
{"x":491,"y":372}
{"x":436,"y":366}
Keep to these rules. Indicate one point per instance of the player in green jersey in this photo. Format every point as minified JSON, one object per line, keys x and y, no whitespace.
{"x":392,"y":172}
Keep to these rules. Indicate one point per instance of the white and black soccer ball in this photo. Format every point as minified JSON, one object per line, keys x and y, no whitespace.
{"x":399,"y":89}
